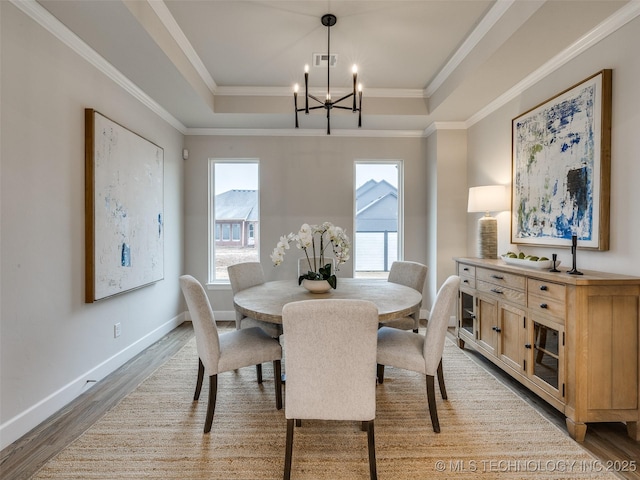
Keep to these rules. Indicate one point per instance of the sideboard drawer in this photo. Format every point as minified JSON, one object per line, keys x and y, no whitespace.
{"x":467,"y":275}
{"x":546,"y":306}
{"x":548,"y":290}
{"x":501,"y":278}
{"x":502,"y":293}
{"x":466,"y":270}
{"x":467,"y":281}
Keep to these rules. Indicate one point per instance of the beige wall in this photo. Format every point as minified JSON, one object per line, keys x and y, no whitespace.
{"x":490,"y":150}
{"x":52,"y":343}
{"x":303,"y":179}
{"x":452,"y":201}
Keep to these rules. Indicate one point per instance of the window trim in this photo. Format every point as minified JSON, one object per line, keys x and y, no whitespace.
{"x":214,"y":283}
{"x":400,"y":165}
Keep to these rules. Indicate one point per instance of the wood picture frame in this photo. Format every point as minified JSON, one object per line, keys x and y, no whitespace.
{"x":561,"y":168}
{"x":124,"y":209}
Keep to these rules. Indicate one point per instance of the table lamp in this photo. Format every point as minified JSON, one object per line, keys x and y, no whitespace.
{"x":489,"y":198}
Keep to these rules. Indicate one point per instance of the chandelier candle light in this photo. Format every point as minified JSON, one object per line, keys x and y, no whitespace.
{"x":305,"y":240}
{"x":328,"y":21}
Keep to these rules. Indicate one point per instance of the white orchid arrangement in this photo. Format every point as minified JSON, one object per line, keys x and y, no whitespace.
{"x":305,"y":240}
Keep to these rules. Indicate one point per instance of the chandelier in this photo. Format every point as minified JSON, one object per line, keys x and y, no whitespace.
{"x":328,"y":21}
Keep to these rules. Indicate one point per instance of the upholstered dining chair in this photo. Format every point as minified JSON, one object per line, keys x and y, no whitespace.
{"x":218,"y":353}
{"x":242,"y":276}
{"x":409,"y":274}
{"x":331,"y":366}
{"x":412,"y":274}
{"x":418,"y":353}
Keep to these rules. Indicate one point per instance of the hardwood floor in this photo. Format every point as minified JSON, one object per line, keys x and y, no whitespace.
{"x":26,"y":456}
{"x":607,"y":441}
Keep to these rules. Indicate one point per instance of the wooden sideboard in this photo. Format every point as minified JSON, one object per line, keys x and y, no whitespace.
{"x":571,"y":339}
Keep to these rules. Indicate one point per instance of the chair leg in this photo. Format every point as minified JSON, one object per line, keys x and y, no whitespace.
{"x":380,"y":374}
{"x":371,"y":443}
{"x":443,"y":389}
{"x":196,"y":395}
{"x":259,"y":372}
{"x":277,"y":377}
{"x":431,"y":399}
{"x":213,"y":391}
{"x":288,"y":450}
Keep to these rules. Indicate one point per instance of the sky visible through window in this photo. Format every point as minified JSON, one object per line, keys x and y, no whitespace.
{"x":244,"y":176}
{"x":236,"y":176}
{"x":369,"y":171}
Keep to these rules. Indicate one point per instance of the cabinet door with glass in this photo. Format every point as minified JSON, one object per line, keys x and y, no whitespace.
{"x":544,"y":355}
{"x":466,"y":318}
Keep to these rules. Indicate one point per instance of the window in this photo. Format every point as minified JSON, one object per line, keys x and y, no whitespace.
{"x":378,"y":217}
{"x":251,"y":234}
{"x":234,"y":215}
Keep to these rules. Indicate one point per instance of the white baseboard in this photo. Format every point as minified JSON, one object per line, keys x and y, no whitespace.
{"x":16,"y":427}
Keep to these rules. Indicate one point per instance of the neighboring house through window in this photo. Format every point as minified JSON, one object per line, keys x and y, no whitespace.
{"x":234,"y":216}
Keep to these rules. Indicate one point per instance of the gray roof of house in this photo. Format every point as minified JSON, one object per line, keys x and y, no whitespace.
{"x":376,"y":203}
{"x":237,"y":205}
{"x":371,"y":191}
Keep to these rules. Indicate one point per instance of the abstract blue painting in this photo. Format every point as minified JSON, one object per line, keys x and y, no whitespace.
{"x":558,"y":168}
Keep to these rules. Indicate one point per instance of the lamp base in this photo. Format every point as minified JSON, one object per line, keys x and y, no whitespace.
{"x":487,"y":237}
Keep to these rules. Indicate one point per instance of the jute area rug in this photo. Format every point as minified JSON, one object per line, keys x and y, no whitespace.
{"x":486,"y":432}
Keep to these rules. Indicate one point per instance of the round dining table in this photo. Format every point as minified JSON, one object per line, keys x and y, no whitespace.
{"x":265,"y":301}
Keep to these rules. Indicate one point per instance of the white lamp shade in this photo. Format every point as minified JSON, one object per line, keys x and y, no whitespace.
{"x":489,"y":198}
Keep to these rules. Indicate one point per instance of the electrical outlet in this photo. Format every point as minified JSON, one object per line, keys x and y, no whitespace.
{"x":117,"y":330}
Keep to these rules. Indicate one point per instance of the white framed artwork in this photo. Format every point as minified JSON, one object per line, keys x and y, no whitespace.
{"x":124,"y":216}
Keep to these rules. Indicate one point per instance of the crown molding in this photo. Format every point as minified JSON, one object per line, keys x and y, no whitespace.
{"x":435,"y":126}
{"x":616,"y":21}
{"x":230,"y":91}
{"x":178,"y":35}
{"x":485,"y":25}
{"x":291,"y":132}
{"x":41,"y":15}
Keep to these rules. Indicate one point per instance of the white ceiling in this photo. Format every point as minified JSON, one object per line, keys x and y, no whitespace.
{"x":231,"y":64}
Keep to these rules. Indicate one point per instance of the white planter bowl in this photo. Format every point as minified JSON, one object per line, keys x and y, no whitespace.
{"x":316,"y":286}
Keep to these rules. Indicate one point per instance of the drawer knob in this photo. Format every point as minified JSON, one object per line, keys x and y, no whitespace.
{"x":543,"y":288}
{"x":544,"y":305}
{"x":527,"y":345}
{"x":496,"y":329}
{"x":497,"y":277}
{"x":495,"y":290}
{"x":465,"y":281}
{"x":466,"y":269}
